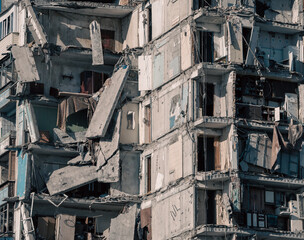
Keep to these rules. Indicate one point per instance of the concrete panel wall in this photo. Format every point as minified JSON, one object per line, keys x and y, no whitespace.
{"x":170,"y":160}
{"x":129,"y":172}
{"x":157,"y":18}
{"x":175,"y":159}
{"x":168,"y":107}
{"x":130,"y":26}
{"x":177,"y":211}
{"x":186,"y":47}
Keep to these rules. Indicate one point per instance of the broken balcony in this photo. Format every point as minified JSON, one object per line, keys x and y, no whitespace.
{"x":272,"y":152}
{"x":270,"y":208}
{"x":266,"y":99}
{"x":95,"y":8}
{"x":213,"y":106}
{"x":8,"y":29}
{"x":279,"y":10}
{"x":7,"y":104}
{"x":6,"y":141}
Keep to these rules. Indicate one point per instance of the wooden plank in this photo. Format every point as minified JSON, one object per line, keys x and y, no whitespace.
{"x":11,"y":166}
{"x":217,"y":157}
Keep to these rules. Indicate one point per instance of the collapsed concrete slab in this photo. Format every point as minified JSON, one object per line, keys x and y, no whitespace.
{"x":109,"y":144}
{"x":123,"y":227}
{"x":25,"y":64}
{"x":107,"y":103}
{"x":34,"y":25}
{"x":69,"y":178}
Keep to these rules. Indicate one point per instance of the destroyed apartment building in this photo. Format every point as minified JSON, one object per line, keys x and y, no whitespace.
{"x":160,"y":119}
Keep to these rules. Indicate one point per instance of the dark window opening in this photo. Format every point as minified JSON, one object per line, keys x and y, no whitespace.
{"x":36,"y":88}
{"x":108,"y":39}
{"x":84,"y":228}
{"x":147,"y":122}
{"x":150,"y":24}
{"x":148,"y":174}
{"x":8,"y":25}
{"x":91,"y":82}
{"x":206,"y":101}
{"x":211,"y":207}
{"x":257,"y":99}
{"x":260,"y":8}
{"x":197,"y":4}
{"x":12,"y":22}
{"x":246,"y":39}
{"x":204,"y":47}
{"x":95,"y":189}
{"x":77,"y":122}
{"x":206,"y":154}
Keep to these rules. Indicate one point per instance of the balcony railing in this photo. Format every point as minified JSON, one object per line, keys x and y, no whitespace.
{"x":10,"y":39}
{"x":7,"y":104}
{"x":6,"y":190}
{"x":6,"y":141}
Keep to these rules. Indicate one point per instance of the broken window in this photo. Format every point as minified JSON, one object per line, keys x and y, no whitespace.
{"x":208,"y":154}
{"x":205,"y":47}
{"x":4,"y":28}
{"x":246,"y":41}
{"x":46,"y":117}
{"x":131,"y":120}
{"x":147,"y":123}
{"x":257,"y":99}
{"x":206,"y":98}
{"x":8,"y":25}
{"x":148,"y":174}
{"x":6,"y":218}
{"x":91,"y":82}
{"x":108,"y":39}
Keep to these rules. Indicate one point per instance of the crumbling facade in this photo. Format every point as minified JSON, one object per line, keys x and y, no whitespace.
{"x":152,"y":119}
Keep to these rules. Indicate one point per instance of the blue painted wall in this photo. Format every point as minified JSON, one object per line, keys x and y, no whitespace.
{"x":22,"y":172}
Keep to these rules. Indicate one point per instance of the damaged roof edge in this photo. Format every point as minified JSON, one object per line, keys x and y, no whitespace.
{"x":86,"y":8}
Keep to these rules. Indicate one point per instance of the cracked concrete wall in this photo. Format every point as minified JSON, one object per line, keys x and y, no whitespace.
{"x":129,"y":174}
{"x":168,"y":104}
{"x":177,"y":210}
